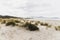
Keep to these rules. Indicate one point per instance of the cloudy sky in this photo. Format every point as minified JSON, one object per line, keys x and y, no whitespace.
{"x":24,"y":8}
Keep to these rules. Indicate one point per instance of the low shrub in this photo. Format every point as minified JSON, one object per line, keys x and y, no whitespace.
{"x":31,"y":27}
{"x":10,"y":23}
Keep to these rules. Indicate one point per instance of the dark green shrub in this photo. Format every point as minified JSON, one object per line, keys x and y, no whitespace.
{"x":31,"y":27}
{"x":10,"y":23}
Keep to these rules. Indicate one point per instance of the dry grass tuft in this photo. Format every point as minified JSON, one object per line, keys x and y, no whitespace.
{"x":4,"y":21}
{"x":57,"y":28}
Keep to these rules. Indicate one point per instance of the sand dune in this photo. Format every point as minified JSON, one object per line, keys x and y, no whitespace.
{"x":19,"y":33}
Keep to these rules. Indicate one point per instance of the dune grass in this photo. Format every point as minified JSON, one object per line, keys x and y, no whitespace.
{"x":10,"y":23}
{"x":44,"y":24}
{"x":4,"y":21}
{"x":16,"y":21}
{"x":57,"y":28}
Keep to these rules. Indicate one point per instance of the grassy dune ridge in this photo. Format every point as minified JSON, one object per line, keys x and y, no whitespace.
{"x":32,"y":25}
{"x":17,"y":21}
{"x":28,"y":29}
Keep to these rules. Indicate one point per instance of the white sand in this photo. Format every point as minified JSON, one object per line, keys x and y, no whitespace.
{"x":16,"y":33}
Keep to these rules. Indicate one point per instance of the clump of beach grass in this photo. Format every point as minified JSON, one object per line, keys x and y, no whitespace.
{"x":36,"y":23}
{"x":44,"y":24}
{"x":49,"y":26}
{"x":16,"y":21}
{"x":4,"y":21}
{"x":57,"y":28}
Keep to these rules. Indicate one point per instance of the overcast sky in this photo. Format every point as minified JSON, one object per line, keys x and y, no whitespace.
{"x":24,"y":8}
